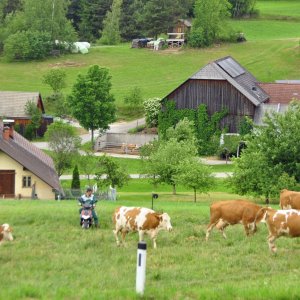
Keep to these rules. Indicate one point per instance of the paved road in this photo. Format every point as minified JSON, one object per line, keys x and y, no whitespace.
{"x":136,"y":176}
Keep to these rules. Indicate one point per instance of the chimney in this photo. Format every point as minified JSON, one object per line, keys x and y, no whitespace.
{"x":6,"y":133}
{"x":8,"y":129}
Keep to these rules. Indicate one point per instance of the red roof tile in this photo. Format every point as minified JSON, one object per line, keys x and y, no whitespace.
{"x":281,"y":92}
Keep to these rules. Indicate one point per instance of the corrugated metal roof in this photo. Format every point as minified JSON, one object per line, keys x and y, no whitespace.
{"x":12,"y":104}
{"x":31,"y":157}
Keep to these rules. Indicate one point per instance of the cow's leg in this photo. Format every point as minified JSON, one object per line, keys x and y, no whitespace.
{"x":210,"y":227}
{"x":116,"y":231}
{"x":271,"y":240}
{"x":221,"y":225}
{"x":153,"y":236}
{"x":124,"y":232}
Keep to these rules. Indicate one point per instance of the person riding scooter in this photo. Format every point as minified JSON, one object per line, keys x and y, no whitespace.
{"x":89,"y":199}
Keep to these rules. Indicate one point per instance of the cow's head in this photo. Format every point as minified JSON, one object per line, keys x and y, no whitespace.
{"x":262,"y":215}
{"x":6,"y":232}
{"x":165,"y":222}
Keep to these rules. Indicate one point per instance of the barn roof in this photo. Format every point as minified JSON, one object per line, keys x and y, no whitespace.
{"x":229,"y":69}
{"x":281,"y":92}
{"x":12,"y":104}
{"x":31,"y":157}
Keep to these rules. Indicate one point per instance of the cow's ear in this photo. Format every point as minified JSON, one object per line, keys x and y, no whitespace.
{"x":1,"y":229}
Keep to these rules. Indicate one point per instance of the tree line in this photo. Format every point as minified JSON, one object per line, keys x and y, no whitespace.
{"x":30,"y":29}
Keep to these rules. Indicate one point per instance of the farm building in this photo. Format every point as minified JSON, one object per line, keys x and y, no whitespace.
{"x":225,"y":84}
{"x":177,"y":35}
{"x":25,"y":170}
{"x":12,"y":106}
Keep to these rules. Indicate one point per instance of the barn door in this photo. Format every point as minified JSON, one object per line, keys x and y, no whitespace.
{"x":7,"y":183}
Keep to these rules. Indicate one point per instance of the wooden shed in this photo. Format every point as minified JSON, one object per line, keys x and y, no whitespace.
{"x":221,"y":84}
{"x":12,"y":106}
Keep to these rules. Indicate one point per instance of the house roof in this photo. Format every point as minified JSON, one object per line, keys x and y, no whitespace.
{"x":30,"y":157}
{"x":230,"y":70}
{"x":186,"y":22}
{"x":281,"y":92}
{"x":12,"y":104}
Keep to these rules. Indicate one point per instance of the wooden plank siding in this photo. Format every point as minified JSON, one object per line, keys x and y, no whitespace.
{"x":217,"y":95}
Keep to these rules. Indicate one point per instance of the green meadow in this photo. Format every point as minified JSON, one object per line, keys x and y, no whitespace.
{"x":271,"y":52}
{"x":53,"y":258}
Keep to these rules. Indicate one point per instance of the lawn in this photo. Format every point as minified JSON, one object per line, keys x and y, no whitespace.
{"x":281,"y":9}
{"x":53,"y":258}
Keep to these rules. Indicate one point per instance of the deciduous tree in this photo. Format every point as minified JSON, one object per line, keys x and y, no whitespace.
{"x":271,"y":160}
{"x":64,"y":144}
{"x":91,"y":102}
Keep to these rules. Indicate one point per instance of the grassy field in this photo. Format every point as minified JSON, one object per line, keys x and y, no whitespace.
{"x":271,"y":52}
{"x":281,"y":9}
{"x":53,"y":258}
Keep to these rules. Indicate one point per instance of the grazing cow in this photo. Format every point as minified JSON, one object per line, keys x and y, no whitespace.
{"x":5,"y":233}
{"x":143,"y":220}
{"x":280,"y":223}
{"x":233,"y":212}
{"x":289,"y":199}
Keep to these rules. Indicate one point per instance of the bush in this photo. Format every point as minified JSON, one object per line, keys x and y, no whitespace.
{"x":152,"y":108}
{"x":29,"y":132}
{"x":27,"y":45}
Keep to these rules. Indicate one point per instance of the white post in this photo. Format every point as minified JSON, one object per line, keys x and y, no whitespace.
{"x":141,"y":267}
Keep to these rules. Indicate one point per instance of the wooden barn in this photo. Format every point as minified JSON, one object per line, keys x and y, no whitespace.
{"x":12,"y":106}
{"x":223,"y":83}
{"x":25,"y":170}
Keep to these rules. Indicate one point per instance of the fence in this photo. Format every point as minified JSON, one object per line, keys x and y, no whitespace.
{"x":74,"y":194}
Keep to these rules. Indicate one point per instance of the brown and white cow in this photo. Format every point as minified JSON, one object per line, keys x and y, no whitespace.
{"x":143,"y":220}
{"x":280,"y":223}
{"x":233,"y":212}
{"x":289,"y":199}
{"x":5,"y":233}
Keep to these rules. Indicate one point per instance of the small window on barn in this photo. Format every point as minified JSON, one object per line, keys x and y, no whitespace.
{"x":26,"y":182}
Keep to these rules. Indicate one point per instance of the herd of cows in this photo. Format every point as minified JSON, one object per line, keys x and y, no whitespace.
{"x":284,"y":222}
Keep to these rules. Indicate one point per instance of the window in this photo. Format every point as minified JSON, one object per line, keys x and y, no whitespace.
{"x":26,"y":181}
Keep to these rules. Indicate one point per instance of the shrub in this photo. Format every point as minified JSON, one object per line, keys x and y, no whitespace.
{"x":27,"y":45}
{"x":152,"y":108}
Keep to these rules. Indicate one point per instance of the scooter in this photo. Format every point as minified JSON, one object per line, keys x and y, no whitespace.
{"x":86,"y":216}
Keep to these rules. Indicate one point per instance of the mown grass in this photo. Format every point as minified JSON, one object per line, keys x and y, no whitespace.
{"x":281,"y":9}
{"x":158,"y":73}
{"x":53,"y":258}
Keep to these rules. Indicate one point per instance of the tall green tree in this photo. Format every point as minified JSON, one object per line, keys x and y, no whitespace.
{"x":47,"y":16}
{"x":64,"y":144}
{"x":91,"y":102}
{"x":92,"y":15}
{"x":35,"y":115}
{"x":130,"y":25}
{"x":111,"y":25}
{"x":209,"y":23}
{"x":75,"y":184}
{"x":159,"y":15}
{"x":271,"y":160}
{"x":241,"y":8}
